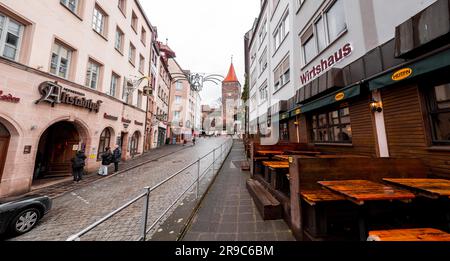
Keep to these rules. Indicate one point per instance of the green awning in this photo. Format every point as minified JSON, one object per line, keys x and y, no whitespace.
{"x":412,"y":70}
{"x":333,"y":98}
{"x":296,"y":111}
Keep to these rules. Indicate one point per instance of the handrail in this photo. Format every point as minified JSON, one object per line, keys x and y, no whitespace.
{"x":148,"y":190}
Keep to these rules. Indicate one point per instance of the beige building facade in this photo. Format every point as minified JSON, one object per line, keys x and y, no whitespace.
{"x":69,"y":73}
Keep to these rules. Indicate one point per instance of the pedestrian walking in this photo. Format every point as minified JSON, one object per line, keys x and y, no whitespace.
{"x":107,"y":158}
{"x":117,"y":157}
{"x":78,"y":163}
{"x":193,"y":140}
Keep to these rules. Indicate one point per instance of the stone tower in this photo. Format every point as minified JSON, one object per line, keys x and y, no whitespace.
{"x":231,"y":93}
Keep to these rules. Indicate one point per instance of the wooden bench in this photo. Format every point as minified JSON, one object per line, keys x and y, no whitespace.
{"x":268,"y":206}
{"x":406,"y":235}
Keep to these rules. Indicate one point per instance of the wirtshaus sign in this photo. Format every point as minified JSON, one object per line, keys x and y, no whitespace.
{"x":53,"y":94}
{"x":326,"y":64}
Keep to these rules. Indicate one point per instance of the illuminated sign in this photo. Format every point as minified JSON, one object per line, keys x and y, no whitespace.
{"x":402,"y":74}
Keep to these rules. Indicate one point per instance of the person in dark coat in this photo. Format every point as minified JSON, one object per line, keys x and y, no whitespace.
{"x":107,"y":158}
{"x":78,"y":163}
{"x":117,"y":157}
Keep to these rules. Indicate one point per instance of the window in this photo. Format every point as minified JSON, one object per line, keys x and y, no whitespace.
{"x":263,"y":93}
{"x":177,"y":99}
{"x":143,"y":36}
{"x":118,"y":44}
{"x":176,"y":116}
{"x":132,"y":54}
{"x":122,"y":4}
{"x":141,"y":64}
{"x":61,"y":58}
{"x":253,"y":78}
{"x":93,"y":74}
{"x":263,"y":32}
{"x":134,"y":21}
{"x":253,"y":102}
{"x":332,"y":127}
{"x":263,"y":62}
{"x":336,"y":20}
{"x":439,"y":113}
{"x":284,"y":131}
{"x":99,"y":21}
{"x":72,"y":5}
{"x":10,"y":37}
{"x":179,"y":86}
{"x":282,"y":74}
{"x":114,"y":85}
{"x":281,"y":31}
{"x":328,"y":26}
{"x":105,"y":142}
{"x":139,"y":101}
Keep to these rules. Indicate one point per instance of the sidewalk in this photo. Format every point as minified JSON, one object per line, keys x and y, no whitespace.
{"x":228,"y":212}
{"x":59,"y":189}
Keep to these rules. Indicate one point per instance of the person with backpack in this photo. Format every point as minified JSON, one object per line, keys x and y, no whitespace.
{"x":78,"y":163}
{"x":107,"y":158}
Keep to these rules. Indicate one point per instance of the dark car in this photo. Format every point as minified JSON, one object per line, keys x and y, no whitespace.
{"x":21,"y":214}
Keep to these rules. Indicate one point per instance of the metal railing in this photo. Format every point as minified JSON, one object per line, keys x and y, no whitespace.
{"x":225,"y":149}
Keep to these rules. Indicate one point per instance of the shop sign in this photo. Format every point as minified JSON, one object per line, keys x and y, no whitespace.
{"x":126,"y":120}
{"x":55,"y":94}
{"x":402,"y":74}
{"x":340,"y":96}
{"x":296,"y":112}
{"x":8,"y":98}
{"x":110,"y":117}
{"x":326,"y":64}
{"x":284,"y":116}
{"x":138,"y":123}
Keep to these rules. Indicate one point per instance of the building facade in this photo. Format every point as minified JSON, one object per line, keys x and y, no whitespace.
{"x":369,"y":80}
{"x":69,"y":85}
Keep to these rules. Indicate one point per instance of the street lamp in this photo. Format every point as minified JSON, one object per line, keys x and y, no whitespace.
{"x":197,"y":80}
{"x":147,"y":90}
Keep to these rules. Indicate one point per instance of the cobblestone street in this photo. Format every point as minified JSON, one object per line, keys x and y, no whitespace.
{"x":80,"y":208}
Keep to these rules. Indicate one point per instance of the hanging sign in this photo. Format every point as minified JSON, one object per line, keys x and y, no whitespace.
{"x":402,"y":74}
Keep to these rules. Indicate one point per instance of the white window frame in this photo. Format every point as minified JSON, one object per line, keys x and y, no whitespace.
{"x":4,"y":34}
{"x":99,"y":20}
{"x":113,"y":87}
{"x":89,"y":77}
{"x":132,"y":54}
{"x":119,"y":39}
{"x":282,"y":30}
{"x":66,"y":3}
{"x":58,"y":63}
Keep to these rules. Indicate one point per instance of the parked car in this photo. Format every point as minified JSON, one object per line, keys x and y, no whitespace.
{"x":19,"y":215}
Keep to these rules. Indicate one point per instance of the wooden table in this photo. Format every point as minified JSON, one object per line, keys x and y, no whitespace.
{"x":340,"y":156}
{"x":299,"y":152}
{"x":275,"y":172}
{"x":281,"y":157}
{"x":431,"y":188}
{"x":269,"y":152}
{"x":408,"y":235}
{"x":360,"y":191}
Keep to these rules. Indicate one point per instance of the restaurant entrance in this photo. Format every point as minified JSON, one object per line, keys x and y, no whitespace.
{"x":4,"y":143}
{"x":57,"y":146}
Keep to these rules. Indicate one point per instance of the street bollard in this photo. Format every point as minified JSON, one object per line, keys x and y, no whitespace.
{"x":198,"y":178}
{"x":145,"y":214}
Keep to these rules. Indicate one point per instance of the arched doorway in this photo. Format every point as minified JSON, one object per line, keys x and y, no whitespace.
{"x":4,"y":143}
{"x":57,"y":146}
{"x":134,"y":144}
{"x":105,"y":142}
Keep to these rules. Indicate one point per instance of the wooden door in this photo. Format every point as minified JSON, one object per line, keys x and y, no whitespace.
{"x":4,"y":142}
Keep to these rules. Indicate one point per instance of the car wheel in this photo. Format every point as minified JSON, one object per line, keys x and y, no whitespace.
{"x":25,"y":221}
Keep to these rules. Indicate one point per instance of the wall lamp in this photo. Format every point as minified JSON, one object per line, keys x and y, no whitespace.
{"x":376,"y":106}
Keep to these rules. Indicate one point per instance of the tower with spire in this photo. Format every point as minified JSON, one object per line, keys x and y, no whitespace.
{"x":231,"y":91}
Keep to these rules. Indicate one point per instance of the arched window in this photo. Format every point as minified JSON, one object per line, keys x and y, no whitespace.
{"x":105,"y":142}
{"x":134,"y":145}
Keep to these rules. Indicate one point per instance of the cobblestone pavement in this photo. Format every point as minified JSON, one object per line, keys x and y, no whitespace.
{"x":80,"y":208}
{"x":228,"y":212}
{"x":62,"y":188}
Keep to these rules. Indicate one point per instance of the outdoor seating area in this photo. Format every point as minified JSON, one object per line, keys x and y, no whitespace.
{"x":325,"y":196}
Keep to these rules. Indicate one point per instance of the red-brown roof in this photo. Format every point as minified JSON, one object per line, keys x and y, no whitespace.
{"x":231,"y":77}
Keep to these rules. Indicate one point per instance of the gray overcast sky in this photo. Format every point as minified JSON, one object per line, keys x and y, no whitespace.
{"x":204,"y":34}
